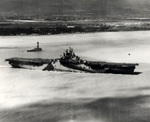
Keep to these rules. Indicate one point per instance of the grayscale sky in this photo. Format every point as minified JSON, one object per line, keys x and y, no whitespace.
{"x":99,"y":8}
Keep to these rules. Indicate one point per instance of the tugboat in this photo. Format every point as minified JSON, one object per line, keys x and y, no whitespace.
{"x":72,"y":63}
{"x":35,"y":49}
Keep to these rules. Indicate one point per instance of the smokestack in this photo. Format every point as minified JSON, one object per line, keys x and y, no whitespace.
{"x":37,"y":44}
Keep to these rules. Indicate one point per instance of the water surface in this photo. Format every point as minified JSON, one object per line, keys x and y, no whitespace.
{"x":42,"y":96}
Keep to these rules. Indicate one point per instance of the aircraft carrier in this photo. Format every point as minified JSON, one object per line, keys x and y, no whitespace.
{"x":72,"y":63}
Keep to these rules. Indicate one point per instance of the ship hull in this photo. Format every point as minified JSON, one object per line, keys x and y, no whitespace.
{"x":28,"y":66}
{"x":107,"y":69}
{"x":59,"y":65}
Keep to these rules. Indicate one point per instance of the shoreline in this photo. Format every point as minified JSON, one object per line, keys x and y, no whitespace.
{"x":12,"y":28}
{"x":96,"y":32}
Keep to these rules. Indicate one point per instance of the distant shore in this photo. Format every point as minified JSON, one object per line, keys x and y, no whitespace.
{"x":26,"y":27}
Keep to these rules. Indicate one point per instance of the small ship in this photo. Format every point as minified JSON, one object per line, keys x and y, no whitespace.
{"x":70,"y":62}
{"x":35,"y":49}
